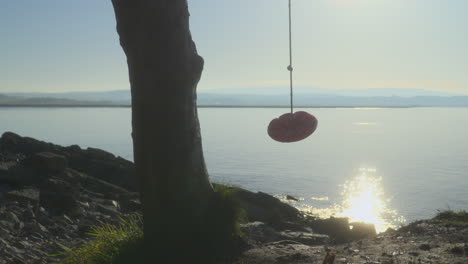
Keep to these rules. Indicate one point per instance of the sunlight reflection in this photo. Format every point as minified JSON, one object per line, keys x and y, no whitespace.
{"x":362,"y":200}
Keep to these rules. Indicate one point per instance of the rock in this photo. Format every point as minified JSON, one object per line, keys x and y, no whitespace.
{"x":457,"y":250}
{"x":41,"y":211}
{"x":93,"y":162}
{"x":289,"y":197}
{"x":129,"y":202}
{"x":7,"y":224}
{"x":337,"y":228}
{"x":112,"y":203}
{"x":29,"y":213}
{"x":293,"y":258}
{"x":67,"y":219}
{"x":47,"y":162}
{"x":37,"y":188}
{"x":19,"y":175}
{"x":58,"y":196}
{"x":131,"y":205}
{"x":19,"y":225}
{"x":361,"y":230}
{"x":4,"y":244}
{"x":265,"y":208}
{"x":12,"y":143}
{"x":426,"y":247}
{"x":107,"y":210}
{"x":12,"y":218}
{"x":40,"y":228}
{"x":260,"y":232}
{"x":99,"y":186}
{"x":108,"y":168}
{"x":60,"y":247}
{"x":99,"y":154}
{"x":6,"y":165}
{"x":70,"y":175}
{"x":306,"y":238}
{"x":28,"y":195}
{"x":4,"y":232}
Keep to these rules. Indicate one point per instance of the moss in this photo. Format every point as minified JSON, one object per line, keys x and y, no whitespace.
{"x":227,"y":194}
{"x":225,"y":190}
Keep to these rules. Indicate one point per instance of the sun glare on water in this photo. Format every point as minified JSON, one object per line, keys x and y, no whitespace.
{"x":364,"y":201}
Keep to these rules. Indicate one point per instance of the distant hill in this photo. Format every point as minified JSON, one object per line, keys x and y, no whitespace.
{"x":49,"y":101}
{"x":117,"y":96}
{"x":263,"y":97}
{"x":303,"y":90}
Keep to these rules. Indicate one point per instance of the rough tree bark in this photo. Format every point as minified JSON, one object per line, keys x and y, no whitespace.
{"x":164,"y":69}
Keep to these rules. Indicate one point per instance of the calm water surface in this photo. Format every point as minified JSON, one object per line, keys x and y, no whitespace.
{"x":410,"y":162}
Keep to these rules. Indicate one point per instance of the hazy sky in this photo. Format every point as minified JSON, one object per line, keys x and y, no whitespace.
{"x":65,"y":45}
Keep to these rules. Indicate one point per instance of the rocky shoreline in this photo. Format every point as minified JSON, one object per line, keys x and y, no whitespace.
{"x":50,"y":197}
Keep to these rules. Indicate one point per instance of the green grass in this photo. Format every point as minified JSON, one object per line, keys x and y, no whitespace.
{"x":110,"y":242}
{"x":450,"y":217}
{"x":115,"y":244}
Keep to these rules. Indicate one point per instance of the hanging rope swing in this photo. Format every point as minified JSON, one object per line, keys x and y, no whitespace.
{"x":292,"y":127}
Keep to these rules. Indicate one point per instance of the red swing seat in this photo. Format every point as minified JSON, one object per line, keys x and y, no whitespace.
{"x":292,"y":127}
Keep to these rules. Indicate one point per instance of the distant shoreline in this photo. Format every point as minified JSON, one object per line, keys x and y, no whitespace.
{"x":200,"y":106}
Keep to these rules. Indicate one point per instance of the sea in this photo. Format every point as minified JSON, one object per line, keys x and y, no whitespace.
{"x":387,"y":166}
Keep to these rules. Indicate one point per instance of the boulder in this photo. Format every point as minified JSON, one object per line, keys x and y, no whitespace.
{"x":94,"y":162}
{"x":11,"y":143}
{"x":336,"y":227}
{"x":109,"y":168}
{"x":265,"y":208}
{"x":49,"y":163}
{"x":361,"y":230}
{"x":98,"y":154}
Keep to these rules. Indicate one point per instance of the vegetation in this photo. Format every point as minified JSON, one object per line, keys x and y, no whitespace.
{"x":110,"y":242}
{"x":450,"y":217}
{"x":220,"y":237}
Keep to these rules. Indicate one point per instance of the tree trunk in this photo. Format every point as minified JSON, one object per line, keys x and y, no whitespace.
{"x":164,"y":69}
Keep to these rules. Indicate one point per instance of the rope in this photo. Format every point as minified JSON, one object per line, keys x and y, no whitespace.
{"x":290,"y":68}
